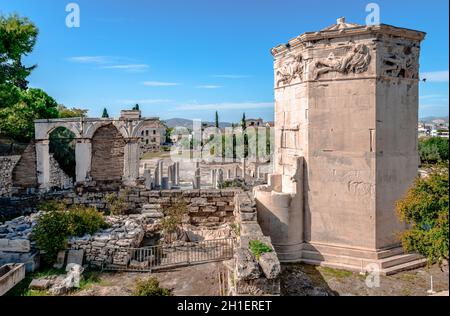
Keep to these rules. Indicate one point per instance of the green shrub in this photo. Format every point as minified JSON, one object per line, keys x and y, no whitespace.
{"x":150,"y":287}
{"x":117,"y":205}
{"x":433,"y":149}
{"x":425,"y":209}
{"x":173,"y":218}
{"x":86,"y":220}
{"x":58,"y":223}
{"x":51,"y":232}
{"x":258,"y":248}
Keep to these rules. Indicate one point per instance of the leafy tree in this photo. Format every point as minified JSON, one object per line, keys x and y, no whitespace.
{"x":136,"y":107}
{"x":433,"y":149}
{"x":17,"y":120}
{"x":17,"y":39}
{"x":425,"y":209}
{"x":65,"y":112}
{"x":105,"y":113}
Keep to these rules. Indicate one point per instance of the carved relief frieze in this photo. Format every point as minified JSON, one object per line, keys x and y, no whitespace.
{"x":355,"y":60}
{"x":290,"y":71}
{"x":401,"y":62}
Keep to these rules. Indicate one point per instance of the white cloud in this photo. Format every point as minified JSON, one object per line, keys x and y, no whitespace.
{"x":436,"y":76}
{"x":91,"y":59}
{"x":224,"y":106}
{"x":231,"y":76}
{"x":128,"y":67}
{"x":159,"y":84}
{"x":144,"y":101}
{"x":208,"y":86}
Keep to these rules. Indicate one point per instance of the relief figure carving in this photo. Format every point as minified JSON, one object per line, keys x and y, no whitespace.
{"x":290,"y":71}
{"x":357,"y":60}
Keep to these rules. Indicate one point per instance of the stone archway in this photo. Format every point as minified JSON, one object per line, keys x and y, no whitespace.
{"x":107,"y":164}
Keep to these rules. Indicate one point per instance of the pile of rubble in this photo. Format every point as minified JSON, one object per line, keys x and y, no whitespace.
{"x":15,"y":243}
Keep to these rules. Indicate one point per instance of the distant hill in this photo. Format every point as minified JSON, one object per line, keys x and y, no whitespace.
{"x":429,"y":119}
{"x":173,"y":122}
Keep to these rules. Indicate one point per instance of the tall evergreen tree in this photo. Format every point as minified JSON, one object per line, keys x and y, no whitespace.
{"x":105,"y":113}
{"x":217,"y":119}
{"x":243,"y":122}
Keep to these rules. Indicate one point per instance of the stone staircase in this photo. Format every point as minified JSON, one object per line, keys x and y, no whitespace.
{"x":390,"y":261}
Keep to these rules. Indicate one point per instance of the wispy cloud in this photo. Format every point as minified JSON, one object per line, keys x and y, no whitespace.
{"x":224,"y":106}
{"x":144,"y":101}
{"x":110,"y":62}
{"x":208,"y":86}
{"x":228,"y":76}
{"x":128,"y":67}
{"x":159,"y":84}
{"x":92,"y":59}
{"x":436,"y":76}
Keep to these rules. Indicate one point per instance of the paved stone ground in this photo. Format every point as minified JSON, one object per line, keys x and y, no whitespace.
{"x":201,"y":280}
{"x":307,"y":280}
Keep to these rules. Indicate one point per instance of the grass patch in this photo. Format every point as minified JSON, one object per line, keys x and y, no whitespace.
{"x":150,"y":287}
{"x":258,"y":248}
{"x":329,"y":273}
{"x":88,"y":278}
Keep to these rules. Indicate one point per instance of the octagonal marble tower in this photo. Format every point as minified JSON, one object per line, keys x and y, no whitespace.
{"x":346,"y":113}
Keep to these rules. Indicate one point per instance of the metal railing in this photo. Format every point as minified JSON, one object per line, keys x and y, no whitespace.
{"x":165,"y":256}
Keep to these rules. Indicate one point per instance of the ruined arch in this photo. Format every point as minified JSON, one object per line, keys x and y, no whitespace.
{"x":107,"y":164}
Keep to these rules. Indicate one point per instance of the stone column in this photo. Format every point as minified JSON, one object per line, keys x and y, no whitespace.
{"x":177,"y":173}
{"x":131,"y":161}
{"x":43,"y":163}
{"x":83,"y":155}
{"x":197,"y":177}
{"x":160,"y":172}
{"x":170,"y":175}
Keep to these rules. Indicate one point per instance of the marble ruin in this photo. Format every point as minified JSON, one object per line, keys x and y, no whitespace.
{"x":346,"y":112}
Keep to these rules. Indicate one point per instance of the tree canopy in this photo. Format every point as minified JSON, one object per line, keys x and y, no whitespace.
{"x":425,"y":209}
{"x":433,"y":149}
{"x":17,"y":39}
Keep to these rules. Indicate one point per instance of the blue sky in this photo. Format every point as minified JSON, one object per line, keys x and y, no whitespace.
{"x":189,"y":58}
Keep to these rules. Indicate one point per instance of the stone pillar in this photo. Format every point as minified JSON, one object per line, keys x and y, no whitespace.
{"x":131,"y":161}
{"x":244,"y":167}
{"x":177,"y":173}
{"x":170,"y":174}
{"x":157,"y":173}
{"x":83,"y":155}
{"x":219,"y":178}
{"x":43,"y":163}
{"x":228,"y":174}
{"x":197,"y":177}
{"x":160,"y":172}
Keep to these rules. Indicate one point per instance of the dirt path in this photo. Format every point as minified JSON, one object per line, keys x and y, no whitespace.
{"x":197,"y":280}
{"x":306,"y":280}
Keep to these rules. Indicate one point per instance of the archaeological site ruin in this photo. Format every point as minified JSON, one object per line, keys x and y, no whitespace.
{"x":346,"y":112}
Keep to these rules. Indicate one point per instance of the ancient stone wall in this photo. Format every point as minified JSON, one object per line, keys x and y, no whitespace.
{"x":107,"y":154}
{"x":58,"y":178}
{"x":247,"y":274}
{"x":7,"y":164}
{"x":24,"y":174}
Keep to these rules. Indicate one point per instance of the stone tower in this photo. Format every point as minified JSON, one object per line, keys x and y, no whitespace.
{"x":346,"y":113}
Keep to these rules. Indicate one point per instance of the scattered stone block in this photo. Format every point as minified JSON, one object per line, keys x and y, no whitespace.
{"x":60,"y":260}
{"x":246,"y":266}
{"x":15,"y":245}
{"x":270,"y":265}
{"x":75,"y":256}
{"x":40,"y":284}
